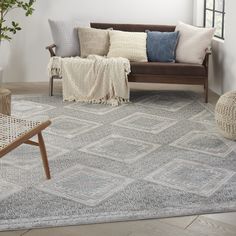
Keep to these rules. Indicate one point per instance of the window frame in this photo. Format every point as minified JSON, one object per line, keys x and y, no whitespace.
{"x":213,"y":17}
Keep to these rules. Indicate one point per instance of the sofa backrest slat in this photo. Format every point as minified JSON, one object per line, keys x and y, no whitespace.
{"x":134,"y":27}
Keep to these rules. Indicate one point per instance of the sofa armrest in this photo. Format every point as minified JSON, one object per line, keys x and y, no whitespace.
{"x":51,"y":50}
{"x":206,"y":60}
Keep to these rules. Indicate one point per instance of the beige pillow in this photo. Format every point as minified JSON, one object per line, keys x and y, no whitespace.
{"x":93,"y":41}
{"x":193,"y":43}
{"x":128,"y":45}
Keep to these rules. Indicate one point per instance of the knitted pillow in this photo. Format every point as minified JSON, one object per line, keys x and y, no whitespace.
{"x":128,"y":45}
{"x":93,"y":41}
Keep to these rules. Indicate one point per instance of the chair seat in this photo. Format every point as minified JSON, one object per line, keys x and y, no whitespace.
{"x":15,"y":132}
{"x":159,"y":68}
{"x":12,"y":129}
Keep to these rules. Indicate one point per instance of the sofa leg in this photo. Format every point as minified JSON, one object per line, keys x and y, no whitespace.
{"x":206,"y":91}
{"x":51,"y":87}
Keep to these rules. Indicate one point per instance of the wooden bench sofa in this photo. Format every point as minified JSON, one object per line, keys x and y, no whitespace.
{"x":156,"y":72}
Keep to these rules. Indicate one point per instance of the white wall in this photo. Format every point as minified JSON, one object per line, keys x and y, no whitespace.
{"x":29,"y":59}
{"x":229,"y":50}
{"x":198,"y":14}
{"x":222,"y":71}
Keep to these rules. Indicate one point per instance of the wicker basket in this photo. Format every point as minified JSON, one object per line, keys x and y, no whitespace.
{"x":225,"y":115}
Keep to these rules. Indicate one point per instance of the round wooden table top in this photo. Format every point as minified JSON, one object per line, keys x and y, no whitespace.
{"x":4,"y":91}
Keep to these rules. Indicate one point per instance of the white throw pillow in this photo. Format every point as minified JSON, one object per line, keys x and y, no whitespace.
{"x":193,"y":43}
{"x":65,"y":37}
{"x":128,"y":45}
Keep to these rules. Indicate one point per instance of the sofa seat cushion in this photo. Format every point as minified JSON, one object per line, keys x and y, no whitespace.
{"x":160,"y":68}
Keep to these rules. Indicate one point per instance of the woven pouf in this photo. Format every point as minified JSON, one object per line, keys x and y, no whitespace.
{"x":225,"y":115}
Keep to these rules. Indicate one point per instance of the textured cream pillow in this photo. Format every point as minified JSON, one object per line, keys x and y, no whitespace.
{"x":128,"y":45}
{"x":193,"y":43}
{"x":93,"y":41}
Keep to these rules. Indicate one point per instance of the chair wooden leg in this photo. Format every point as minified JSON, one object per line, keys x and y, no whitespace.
{"x":51,"y":87}
{"x":44,"y":155}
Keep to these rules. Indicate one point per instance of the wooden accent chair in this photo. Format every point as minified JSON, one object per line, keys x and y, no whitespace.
{"x":14,"y":132}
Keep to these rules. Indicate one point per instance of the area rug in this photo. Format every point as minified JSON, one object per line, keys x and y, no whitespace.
{"x":159,"y":156}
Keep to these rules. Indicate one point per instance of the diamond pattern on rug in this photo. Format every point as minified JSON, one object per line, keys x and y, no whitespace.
{"x":21,"y":177}
{"x":7,"y":189}
{"x":145,"y":122}
{"x":70,"y":127}
{"x":114,"y":154}
{"x":169,"y":102}
{"x":24,"y":109}
{"x":205,"y":117}
{"x":97,"y":109}
{"x":39,"y":118}
{"x":120,"y":148}
{"x":191,"y":177}
{"x":204,"y":142}
{"x":85,"y":185}
{"x":27,"y":157}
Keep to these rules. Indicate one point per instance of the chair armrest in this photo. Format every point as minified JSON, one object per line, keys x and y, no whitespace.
{"x":50,"y":48}
{"x":206,"y":60}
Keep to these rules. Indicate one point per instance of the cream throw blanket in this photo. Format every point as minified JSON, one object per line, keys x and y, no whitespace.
{"x":94,"y":79}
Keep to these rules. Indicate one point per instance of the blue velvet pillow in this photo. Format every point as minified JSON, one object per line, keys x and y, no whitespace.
{"x":161,"y":46}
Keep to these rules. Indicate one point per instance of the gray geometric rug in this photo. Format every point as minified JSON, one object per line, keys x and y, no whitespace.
{"x":159,"y":156}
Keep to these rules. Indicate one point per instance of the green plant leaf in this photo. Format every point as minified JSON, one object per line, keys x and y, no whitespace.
{"x":6,"y":6}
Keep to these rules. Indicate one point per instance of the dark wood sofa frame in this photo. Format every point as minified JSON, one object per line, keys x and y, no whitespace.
{"x":193,"y":77}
